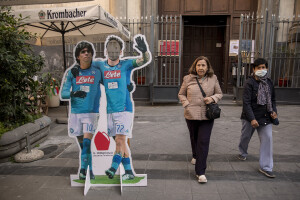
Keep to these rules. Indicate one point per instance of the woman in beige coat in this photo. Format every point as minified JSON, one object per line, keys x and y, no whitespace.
{"x":194,"y":104}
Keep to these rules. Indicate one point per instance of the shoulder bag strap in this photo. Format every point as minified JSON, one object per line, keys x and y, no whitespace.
{"x":203,"y":93}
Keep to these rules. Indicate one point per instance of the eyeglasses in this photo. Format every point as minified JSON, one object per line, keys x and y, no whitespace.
{"x":85,"y":51}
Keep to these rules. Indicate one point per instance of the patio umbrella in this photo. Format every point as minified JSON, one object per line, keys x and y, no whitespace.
{"x":69,"y":25}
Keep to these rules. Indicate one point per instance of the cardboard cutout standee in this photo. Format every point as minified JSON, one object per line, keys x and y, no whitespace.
{"x":81,"y":87}
{"x":108,"y":150}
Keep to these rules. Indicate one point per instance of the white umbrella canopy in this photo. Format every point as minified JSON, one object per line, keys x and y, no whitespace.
{"x":69,"y":25}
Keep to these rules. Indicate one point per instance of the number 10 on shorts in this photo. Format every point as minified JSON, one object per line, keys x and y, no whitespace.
{"x":88,"y":128}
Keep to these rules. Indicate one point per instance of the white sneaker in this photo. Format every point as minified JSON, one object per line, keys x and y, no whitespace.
{"x":193,"y":161}
{"x":202,"y":179}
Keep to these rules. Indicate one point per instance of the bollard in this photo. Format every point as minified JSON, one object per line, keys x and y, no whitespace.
{"x":28,"y":147}
{"x":29,"y":155}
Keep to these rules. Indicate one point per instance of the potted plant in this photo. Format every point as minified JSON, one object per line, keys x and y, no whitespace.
{"x":50,"y":87}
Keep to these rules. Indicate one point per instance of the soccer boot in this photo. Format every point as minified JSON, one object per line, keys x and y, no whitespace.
{"x":82,"y":174}
{"x":92,"y":176}
{"x":110,"y":173}
{"x":127,"y":177}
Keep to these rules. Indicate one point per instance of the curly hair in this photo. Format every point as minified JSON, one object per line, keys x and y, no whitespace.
{"x":80,"y":46}
{"x":210,"y":71}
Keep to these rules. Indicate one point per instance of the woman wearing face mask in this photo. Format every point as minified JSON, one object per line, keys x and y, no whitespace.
{"x":194,"y":104}
{"x":259,"y":112}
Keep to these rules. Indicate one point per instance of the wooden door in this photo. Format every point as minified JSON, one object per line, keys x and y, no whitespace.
{"x":204,"y":36}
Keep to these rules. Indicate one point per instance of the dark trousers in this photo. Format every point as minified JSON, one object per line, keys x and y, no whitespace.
{"x":200,"y":132}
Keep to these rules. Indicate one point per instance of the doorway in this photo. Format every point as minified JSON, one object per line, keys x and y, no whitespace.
{"x":204,"y":36}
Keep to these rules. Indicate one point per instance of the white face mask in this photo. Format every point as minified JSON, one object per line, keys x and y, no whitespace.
{"x":261,"y":73}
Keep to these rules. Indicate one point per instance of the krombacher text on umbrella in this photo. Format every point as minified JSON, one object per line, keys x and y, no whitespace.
{"x":111,"y":20}
{"x":65,"y":14}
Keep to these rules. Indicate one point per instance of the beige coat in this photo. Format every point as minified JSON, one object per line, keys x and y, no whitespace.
{"x":191,"y":96}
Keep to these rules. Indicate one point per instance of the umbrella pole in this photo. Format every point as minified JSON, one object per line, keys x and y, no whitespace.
{"x":64,"y":51}
{"x":64,"y":55}
{"x":65,"y":67}
{"x":64,"y":45}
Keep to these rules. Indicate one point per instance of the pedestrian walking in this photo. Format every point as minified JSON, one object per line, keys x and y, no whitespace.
{"x":194,"y":104}
{"x":259,"y":112}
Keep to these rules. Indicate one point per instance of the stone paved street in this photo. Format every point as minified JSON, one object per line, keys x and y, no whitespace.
{"x":161,"y":148}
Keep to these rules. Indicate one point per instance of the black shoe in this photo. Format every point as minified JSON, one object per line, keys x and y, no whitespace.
{"x":240,"y":157}
{"x":267,"y":173}
{"x":110,"y":173}
{"x":92,"y":176}
{"x":127,"y":177}
{"x":82,"y":174}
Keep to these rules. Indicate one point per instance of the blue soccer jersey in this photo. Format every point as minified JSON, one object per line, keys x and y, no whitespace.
{"x":115,"y":80}
{"x":88,"y":81}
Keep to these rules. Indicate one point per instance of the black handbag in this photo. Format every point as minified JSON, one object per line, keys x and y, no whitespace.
{"x":275,"y":121}
{"x":212,"y":110}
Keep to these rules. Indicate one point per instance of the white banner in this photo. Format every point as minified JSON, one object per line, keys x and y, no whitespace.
{"x":59,"y":14}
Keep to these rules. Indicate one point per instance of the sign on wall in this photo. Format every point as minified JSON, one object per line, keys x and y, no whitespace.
{"x":247,"y":50}
{"x":234,"y":48}
{"x":168,"y":47}
{"x":31,"y":2}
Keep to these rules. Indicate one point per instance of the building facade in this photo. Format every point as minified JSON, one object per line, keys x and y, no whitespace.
{"x":208,"y":27}
{"x":178,"y":31}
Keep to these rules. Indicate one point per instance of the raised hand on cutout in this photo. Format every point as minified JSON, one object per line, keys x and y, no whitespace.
{"x":141,"y":45}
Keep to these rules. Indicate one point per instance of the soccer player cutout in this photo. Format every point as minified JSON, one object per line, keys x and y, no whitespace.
{"x":81,"y":87}
{"x":117,"y":72}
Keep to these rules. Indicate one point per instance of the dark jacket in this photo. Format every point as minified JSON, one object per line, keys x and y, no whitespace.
{"x":251,"y":110}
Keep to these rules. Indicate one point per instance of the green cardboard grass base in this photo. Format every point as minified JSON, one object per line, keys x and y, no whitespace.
{"x":103,"y":179}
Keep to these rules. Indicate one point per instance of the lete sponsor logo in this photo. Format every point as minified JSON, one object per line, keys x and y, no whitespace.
{"x":85,"y":79}
{"x":112,"y":74}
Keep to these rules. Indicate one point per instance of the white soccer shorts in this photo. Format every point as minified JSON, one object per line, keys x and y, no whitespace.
{"x":83,"y":123}
{"x":120,"y":123}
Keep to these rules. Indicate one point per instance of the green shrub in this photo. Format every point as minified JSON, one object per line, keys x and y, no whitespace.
{"x":18,"y":66}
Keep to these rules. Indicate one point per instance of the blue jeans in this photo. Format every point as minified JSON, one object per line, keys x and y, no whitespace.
{"x":266,"y":145}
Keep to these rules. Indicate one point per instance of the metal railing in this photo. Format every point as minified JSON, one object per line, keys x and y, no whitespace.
{"x":163,"y":35}
{"x":275,"y":39}
{"x":168,"y":50}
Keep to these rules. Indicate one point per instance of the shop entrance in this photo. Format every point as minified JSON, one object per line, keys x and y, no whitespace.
{"x":204,"y":36}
